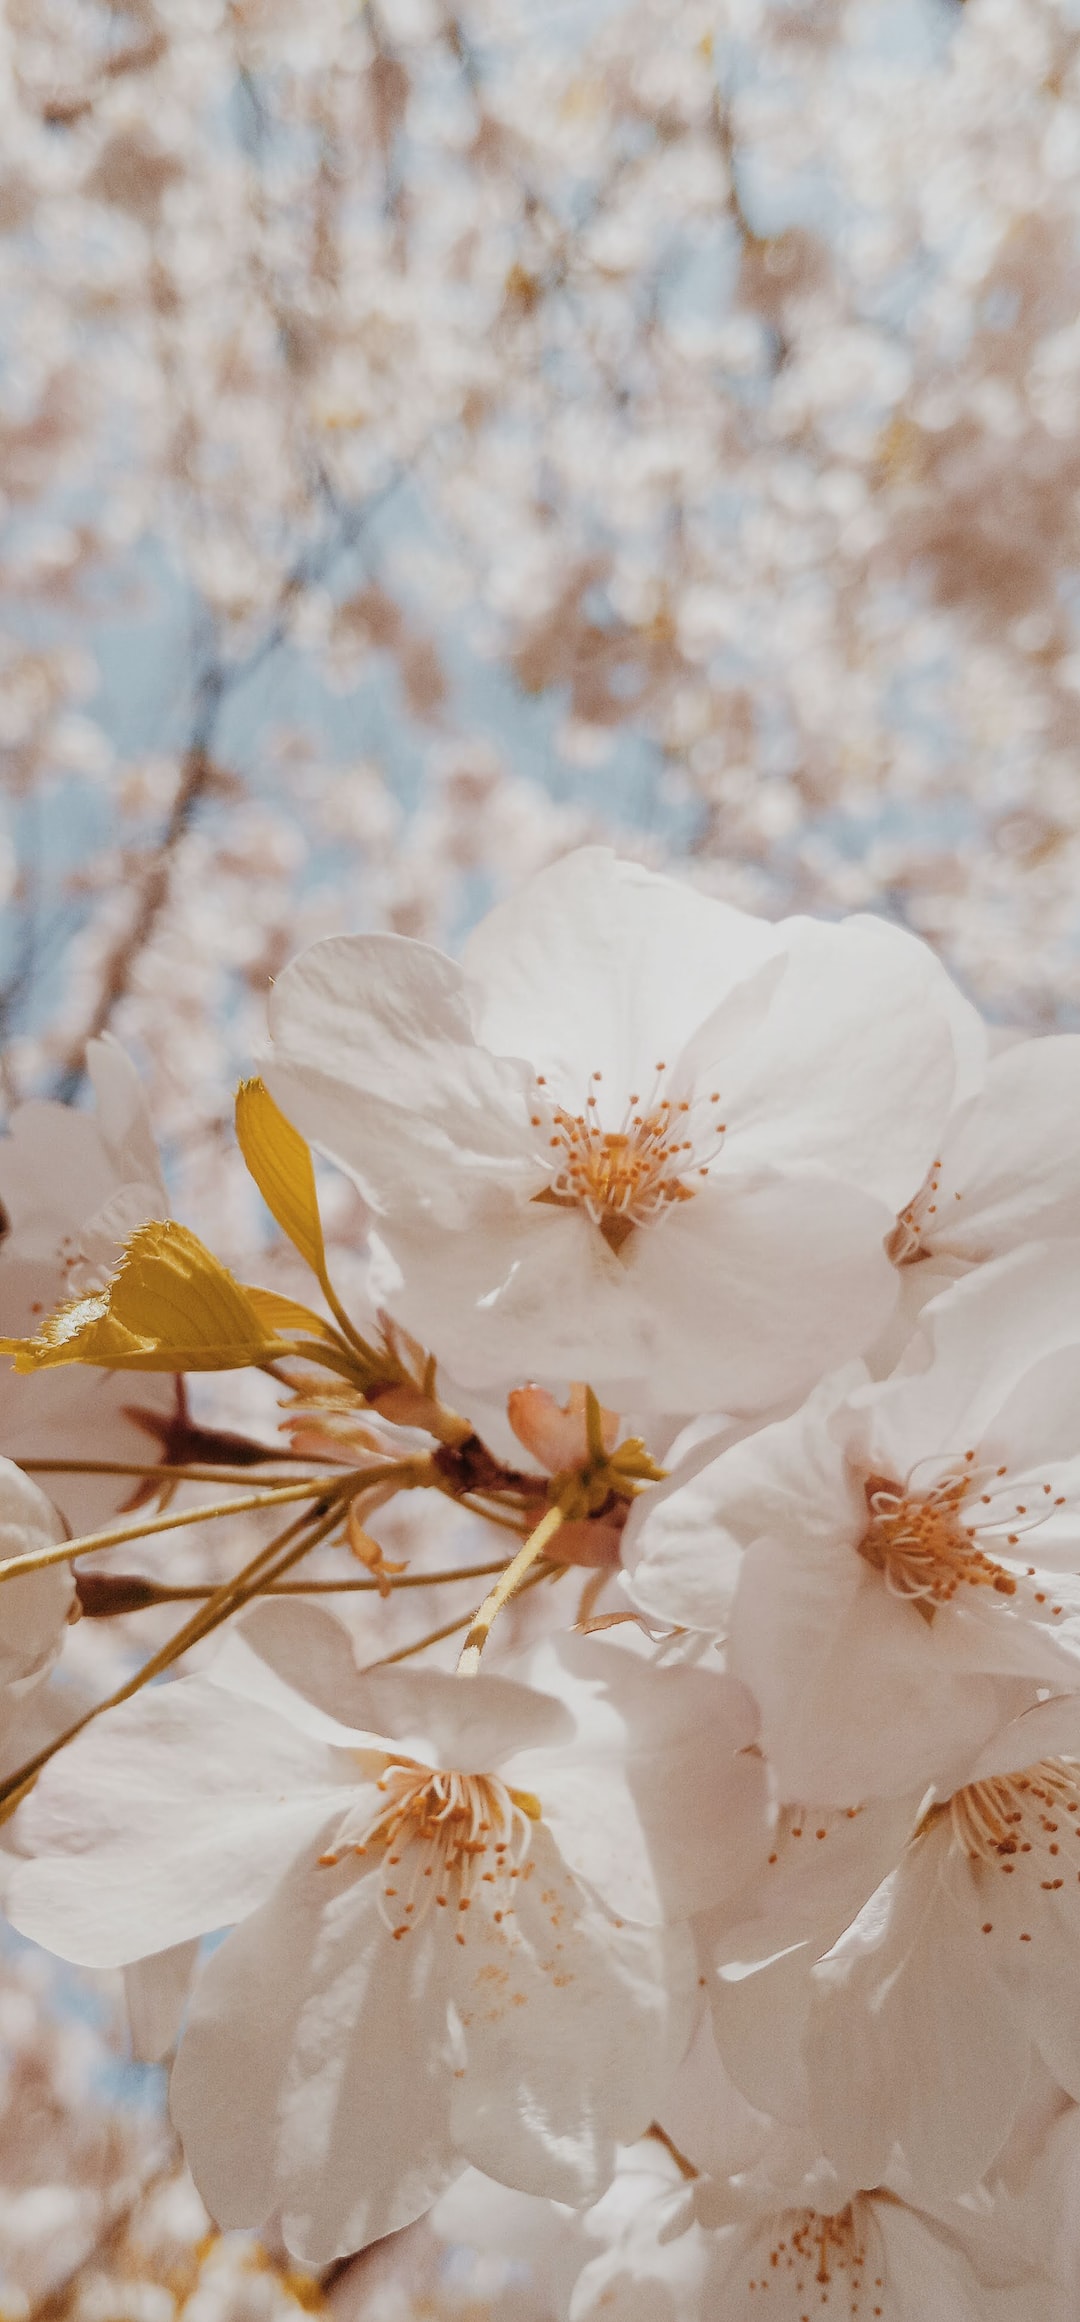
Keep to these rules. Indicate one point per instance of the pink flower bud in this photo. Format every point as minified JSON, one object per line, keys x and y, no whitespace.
{"x":556,"y":1435}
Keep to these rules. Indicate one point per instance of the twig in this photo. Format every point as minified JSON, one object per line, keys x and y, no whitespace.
{"x":36,"y":1561}
{"x":507,"y":1586}
{"x":452,"y":1628}
{"x":233,"y":1593}
{"x":104,"y":1594}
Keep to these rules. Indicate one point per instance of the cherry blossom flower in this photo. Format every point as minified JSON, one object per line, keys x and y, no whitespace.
{"x":959,"y":1970}
{"x":679,"y":1194}
{"x":1008,"y":1171}
{"x":894,"y":1567}
{"x":807,"y":2245}
{"x":784,"y":2236}
{"x":760,"y":1952}
{"x":901,"y":1988}
{"x":461,"y":1908}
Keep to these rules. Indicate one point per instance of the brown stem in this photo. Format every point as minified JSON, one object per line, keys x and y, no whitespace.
{"x":103,"y":1595}
{"x":188,"y":1473}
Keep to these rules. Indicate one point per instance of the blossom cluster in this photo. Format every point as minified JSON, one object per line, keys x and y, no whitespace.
{"x":696,"y":1915}
{"x":416,"y":409}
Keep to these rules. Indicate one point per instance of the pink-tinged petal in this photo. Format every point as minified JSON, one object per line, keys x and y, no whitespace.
{"x":121,"y":1114}
{"x":170,"y":1817}
{"x":309,"y":1671}
{"x":572,"y":2027}
{"x":73,"y":1184}
{"x":824,"y":1865}
{"x":757,"y":1286}
{"x":707,"y":2117}
{"x":974,"y":1346}
{"x":556,"y":1433}
{"x":55,"y":1171}
{"x":552,"y":2241}
{"x":934,"y":2276}
{"x":1035,"y":1430}
{"x":759,"y":2016}
{"x":1033,"y":1945}
{"x":1010,"y":1171}
{"x":657,"y":1803}
{"x":733,"y":1300}
{"x":909,"y":2042}
{"x":662,"y":2267}
{"x":1014,"y":1636}
{"x":858,"y":1696}
{"x":373,"y":1056}
{"x":155,"y":1995}
{"x":684,"y":1544}
{"x":601,"y":965}
{"x":472,"y":1725}
{"x":313,"y":2077}
{"x":299,"y":1661}
{"x":533,"y":1292}
{"x":856,"y":1066}
{"x":920,"y":2270}
{"x":1047,"y":1729}
{"x":675,"y":1550}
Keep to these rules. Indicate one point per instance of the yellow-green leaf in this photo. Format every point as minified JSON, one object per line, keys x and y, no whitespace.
{"x":281,"y":1165}
{"x":171,"y":1306}
{"x":281,"y":1314}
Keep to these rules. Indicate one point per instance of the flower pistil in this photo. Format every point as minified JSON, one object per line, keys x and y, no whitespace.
{"x":440,"y":1833}
{"x":630,"y":1175}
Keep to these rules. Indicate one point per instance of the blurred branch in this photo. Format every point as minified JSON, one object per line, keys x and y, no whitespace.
{"x":218,"y":681}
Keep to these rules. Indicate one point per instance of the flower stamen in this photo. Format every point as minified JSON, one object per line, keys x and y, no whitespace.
{"x":927,"y":1541}
{"x":439,"y":1833}
{"x":630,"y":1175}
{"x":820,"y":2258}
{"x":921,"y":1546}
{"x":1027,"y":1821}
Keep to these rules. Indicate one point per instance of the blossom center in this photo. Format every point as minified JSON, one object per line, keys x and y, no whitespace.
{"x":439,"y":1835}
{"x":1026,"y":1821}
{"x":822,"y":2259}
{"x":630,"y":1174}
{"x":921,"y":1545}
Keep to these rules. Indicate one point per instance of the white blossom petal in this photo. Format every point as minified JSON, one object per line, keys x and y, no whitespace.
{"x":375,"y":1059}
{"x":600,"y":963}
{"x":656,"y":1802}
{"x":1009,"y":1170}
{"x":313,"y":2074}
{"x":909,"y":2042}
{"x":172,"y":1816}
{"x":307,"y":1669}
{"x":155,"y":1994}
{"x":838,"y":1074}
{"x":572,"y":2026}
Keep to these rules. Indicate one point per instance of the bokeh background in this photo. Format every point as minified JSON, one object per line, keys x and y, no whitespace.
{"x":432,"y":436}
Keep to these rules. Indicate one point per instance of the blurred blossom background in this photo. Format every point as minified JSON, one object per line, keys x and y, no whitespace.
{"x":434,"y":436}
